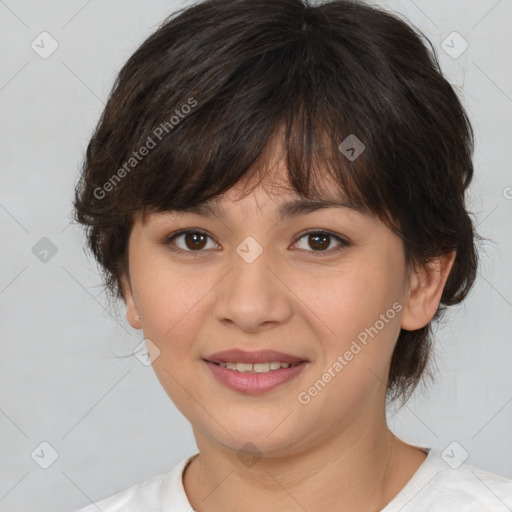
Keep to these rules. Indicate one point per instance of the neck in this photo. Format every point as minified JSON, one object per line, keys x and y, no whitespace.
{"x":359,"y":471}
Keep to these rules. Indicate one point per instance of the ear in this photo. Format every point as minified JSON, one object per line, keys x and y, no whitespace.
{"x":426,"y":288}
{"x":131,"y":308}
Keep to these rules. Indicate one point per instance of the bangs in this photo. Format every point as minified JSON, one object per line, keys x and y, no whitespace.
{"x":301,"y":98}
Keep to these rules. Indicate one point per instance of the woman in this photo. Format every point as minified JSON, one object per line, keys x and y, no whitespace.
{"x":277,"y":193}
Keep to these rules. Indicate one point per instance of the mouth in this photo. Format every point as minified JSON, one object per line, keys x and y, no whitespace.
{"x":260,"y":361}
{"x":254,"y":372}
{"x":255,"y":367}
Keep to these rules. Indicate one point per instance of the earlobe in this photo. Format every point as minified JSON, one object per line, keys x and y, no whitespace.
{"x":132,"y":315}
{"x":425,"y":292}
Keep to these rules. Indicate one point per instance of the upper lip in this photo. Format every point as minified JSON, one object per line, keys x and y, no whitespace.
{"x":261,"y":356}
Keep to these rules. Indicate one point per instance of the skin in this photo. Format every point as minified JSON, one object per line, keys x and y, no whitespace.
{"x":336,"y":452}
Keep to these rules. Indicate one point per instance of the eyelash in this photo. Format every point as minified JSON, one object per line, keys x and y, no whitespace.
{"x":314,"y":254}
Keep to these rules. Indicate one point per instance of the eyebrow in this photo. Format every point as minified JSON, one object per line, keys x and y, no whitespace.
{"x":292,"y":208}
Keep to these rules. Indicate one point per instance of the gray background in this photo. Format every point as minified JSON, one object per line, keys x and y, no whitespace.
{"x":107,"y":417}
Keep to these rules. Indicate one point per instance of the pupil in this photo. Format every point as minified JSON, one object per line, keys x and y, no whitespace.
{"x":320,"y":245}
{"x":194,"y":237}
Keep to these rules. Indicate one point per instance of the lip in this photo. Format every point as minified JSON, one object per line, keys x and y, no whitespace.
{"x":255,"y":383}
{"x":236,"y":355}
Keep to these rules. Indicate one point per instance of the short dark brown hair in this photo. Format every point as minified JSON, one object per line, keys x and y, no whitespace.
{"x":207,"y":91}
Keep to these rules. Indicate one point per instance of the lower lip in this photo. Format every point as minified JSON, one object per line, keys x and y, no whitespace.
{"x":254,"y":383}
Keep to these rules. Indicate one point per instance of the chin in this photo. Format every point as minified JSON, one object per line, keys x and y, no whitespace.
{"x":264,"y":439}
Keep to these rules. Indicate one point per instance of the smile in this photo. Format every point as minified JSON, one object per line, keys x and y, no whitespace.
{"x":257,"y":378}
{"x":254,"y":368}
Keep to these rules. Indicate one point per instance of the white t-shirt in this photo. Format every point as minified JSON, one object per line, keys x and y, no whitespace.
{"x":435,"y":487}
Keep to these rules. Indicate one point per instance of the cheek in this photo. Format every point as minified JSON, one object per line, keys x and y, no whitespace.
{"x":357,"y":323}
{"x":356,"y":312}
{"x":168,"y":297}
{"x":169,"y":300}
{"x":348,"y":301}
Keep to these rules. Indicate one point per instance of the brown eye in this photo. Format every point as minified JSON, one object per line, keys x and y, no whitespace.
{"x":320,"y":241}
{"x":189,"y":240}
{"x":194,"y":240}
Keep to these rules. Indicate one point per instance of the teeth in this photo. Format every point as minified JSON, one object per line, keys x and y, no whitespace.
{"x":255,"y":368}
{"x":243,"y":367}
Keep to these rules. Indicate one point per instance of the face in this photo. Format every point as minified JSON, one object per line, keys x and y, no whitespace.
{"x":328,"y":286}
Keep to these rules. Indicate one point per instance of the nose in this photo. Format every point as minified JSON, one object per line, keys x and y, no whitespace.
{"x":253,"y":296}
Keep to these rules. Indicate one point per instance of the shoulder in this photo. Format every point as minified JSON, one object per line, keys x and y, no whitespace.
{"x":148,"y":496}
{"x":475,"y":487}
{"x":136,"y":498}
{"x":443,"y":483}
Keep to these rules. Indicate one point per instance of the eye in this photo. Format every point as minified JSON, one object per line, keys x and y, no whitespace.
{"x":320,"y":241}
{"x":193,"y":240}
